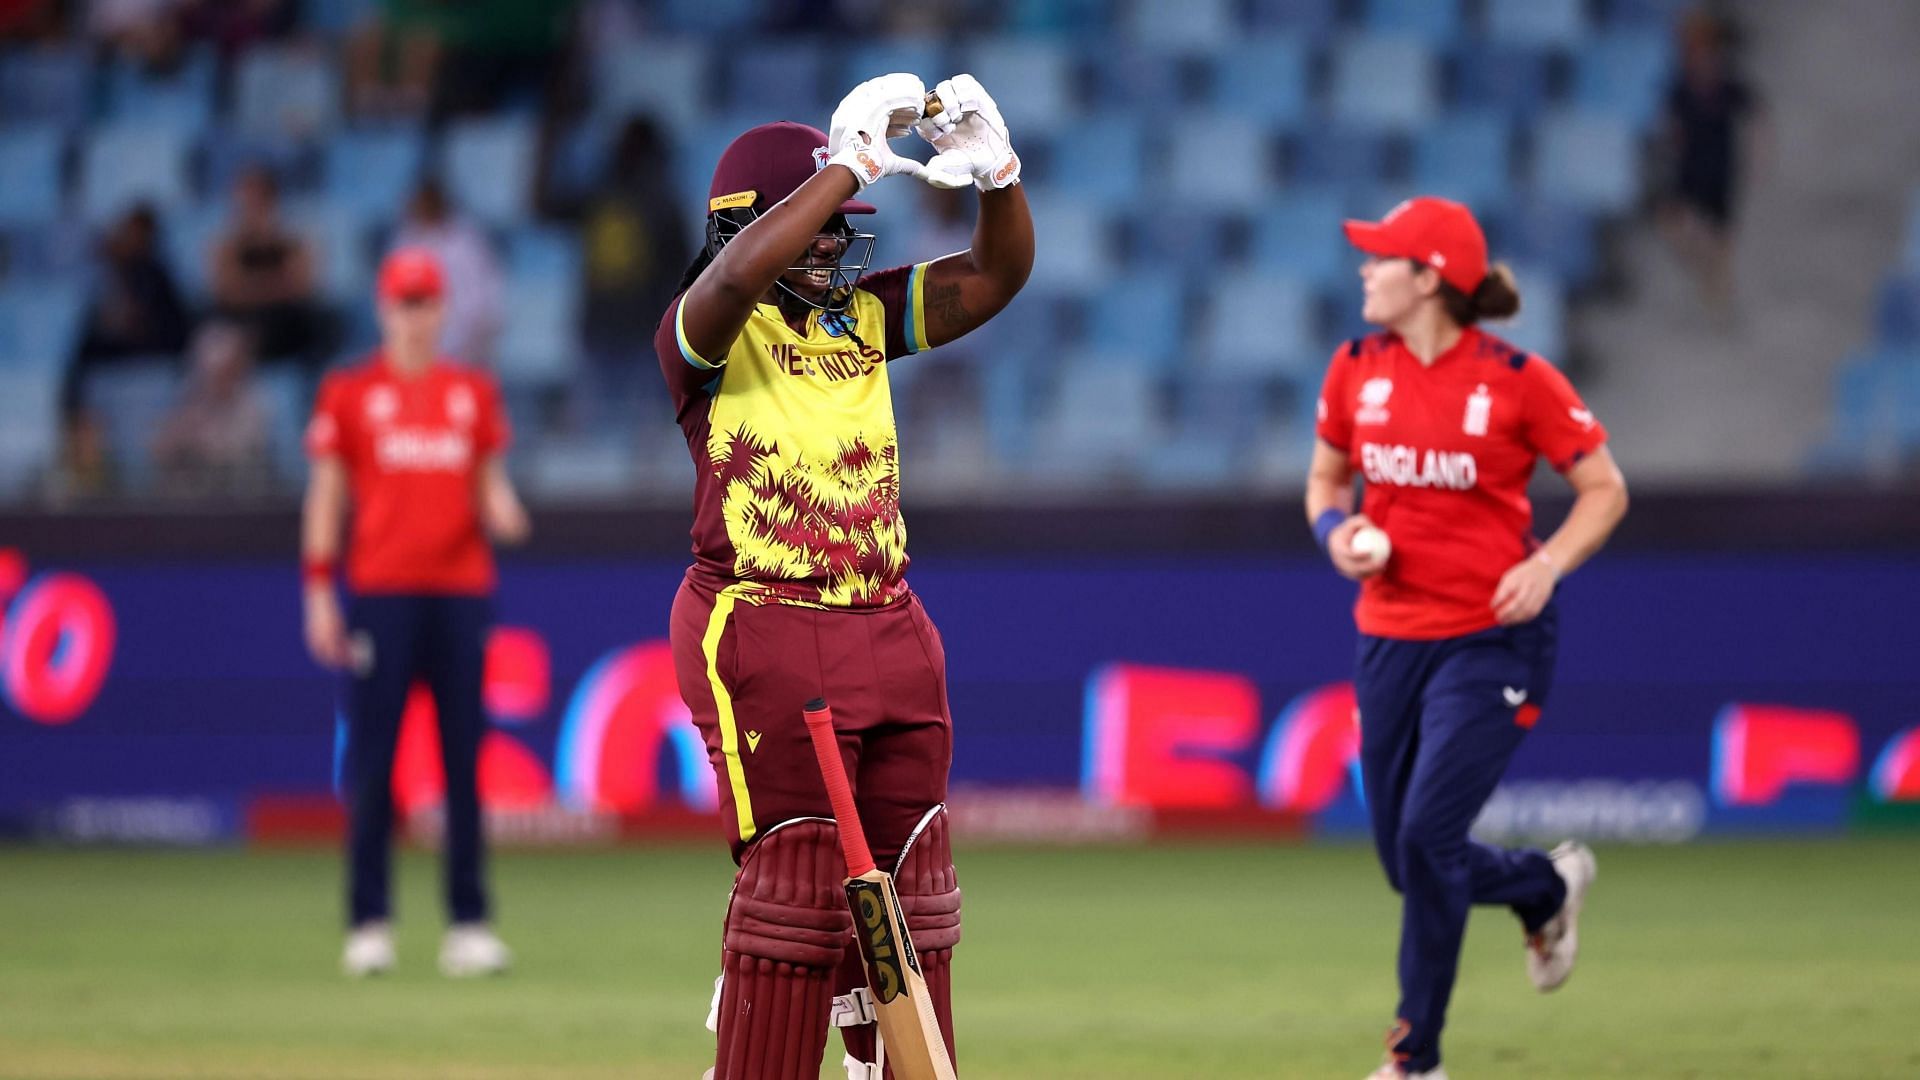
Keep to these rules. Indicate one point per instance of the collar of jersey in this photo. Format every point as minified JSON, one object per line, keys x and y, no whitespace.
{"x":1469,"y":338}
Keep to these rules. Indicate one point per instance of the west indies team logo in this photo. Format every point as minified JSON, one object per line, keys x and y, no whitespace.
{"x":56,"y":641}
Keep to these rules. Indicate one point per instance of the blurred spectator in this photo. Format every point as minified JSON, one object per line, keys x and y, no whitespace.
{"x":136,"y":310}
{"x":636,"y":249}
{"x":232,"y":25}
{"x":147,"y":31}
{"x":1707,"y":107}
{"x":263,"y":273}
{"x":474,"y":287}
{"x":456,"y":57}
{"x":215,"y":439}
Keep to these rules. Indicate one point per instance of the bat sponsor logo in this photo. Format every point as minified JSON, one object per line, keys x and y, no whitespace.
{"x":878,"y":943}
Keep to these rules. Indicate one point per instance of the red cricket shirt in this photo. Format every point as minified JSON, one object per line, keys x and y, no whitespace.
{"x":412,"y":447}
{"x":1447,"y":450}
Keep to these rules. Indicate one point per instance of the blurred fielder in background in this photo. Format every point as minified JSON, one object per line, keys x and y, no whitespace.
{"x":1457,"y":624}
{"x":416,"y":443}
{"x":775,"y":350}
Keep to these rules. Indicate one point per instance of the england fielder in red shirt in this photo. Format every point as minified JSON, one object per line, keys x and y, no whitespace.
{"x":414,"y":444}
{"x":776,"y":353}
{"x":1444,"y":422}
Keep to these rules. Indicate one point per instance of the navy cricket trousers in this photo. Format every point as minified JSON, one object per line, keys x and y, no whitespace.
{"x":440,"y":640}
{"x":1439,"y":720}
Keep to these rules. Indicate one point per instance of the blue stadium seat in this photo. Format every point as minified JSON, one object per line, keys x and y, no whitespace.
{"x":60,"y":248}
{"x":1030,"y":80}
{"x":1541,"y":327}
{"x":540,"y":343}
{"x":1181,"y":25}
{"x":1511,"y":79}
{"x":926,"y":56}
{"x":488,"y":166}
{"x":1298,"y":235}
{"x":1077,"y":256}
{"x":286,"y":91}
{"x":1316,"y":20}
{"x":1105,"y":418}
{"x":228,"y":153}
{"x":181,"y":100}
{"x":1645,"y":14}
{"x":1057,"y":18}
{"x":30,"y":159}
{"x":1545,"y":232}
{"x":124,"y":164}
{"x":1436,"y":21}
{"x":1588,"y":159}
{"x":29,"y":427}
{"x":1141,"y":316}
{"x":1265,"y":78}
{"x":1135,"y":80}
{"x":1325,"y":154}
{"x":342,"y":261}
{"x":544,"y":251}
{"x":1465,"y":156}
{"x":1160,"y":232}
{"x":1624,"y":74}
{"x":1260,"y":325}
{"x":1384,"y":83}
{"x":373,"y":172}
{"x":46,"y":85}
{"x":664,"y":77}
{"x":132,"y":399}
{"x":1220,"y":162}
{"x":289,"y":397}
{"x":1539,"y":23}
{"x":1897,"y":314}
{"x":40,"y":323}
{"x":789,"y":70}
{"x":1105,"y":165}
{"x":189,"y":235}
{"x":709,"y":16}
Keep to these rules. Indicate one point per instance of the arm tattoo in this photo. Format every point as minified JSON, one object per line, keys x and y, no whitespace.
{"x":947,"y":316}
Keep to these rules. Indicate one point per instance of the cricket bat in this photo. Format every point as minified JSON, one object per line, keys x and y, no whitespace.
{"x":908,"y":1029}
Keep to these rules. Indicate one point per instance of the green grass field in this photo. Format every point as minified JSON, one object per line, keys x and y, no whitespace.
{"x":1729,"y":960}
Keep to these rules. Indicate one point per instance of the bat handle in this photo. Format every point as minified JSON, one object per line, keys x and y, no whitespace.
{"x":826,"y":748}
{"x":932,"y":106}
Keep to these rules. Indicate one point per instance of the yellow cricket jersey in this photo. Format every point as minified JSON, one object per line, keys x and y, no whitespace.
{"x":796,"y":458}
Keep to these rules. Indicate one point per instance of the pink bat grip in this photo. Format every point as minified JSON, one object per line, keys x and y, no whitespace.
{"x":826,"y":747}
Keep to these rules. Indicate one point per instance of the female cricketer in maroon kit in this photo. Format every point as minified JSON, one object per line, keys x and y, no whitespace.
{"x":1456,"y":615}
{"x":776,"y":353}
{"x":416,"y":444}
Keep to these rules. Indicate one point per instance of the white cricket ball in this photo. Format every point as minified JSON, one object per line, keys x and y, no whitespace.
{"x":1370,"y":543}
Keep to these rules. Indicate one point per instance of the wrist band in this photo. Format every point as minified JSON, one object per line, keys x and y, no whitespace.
{"x":1324,"y":525}
{"x":317,"y":571}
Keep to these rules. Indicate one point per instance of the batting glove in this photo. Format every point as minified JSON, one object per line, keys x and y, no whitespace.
{"x":857,"y":135}
{"x":970,"y":137}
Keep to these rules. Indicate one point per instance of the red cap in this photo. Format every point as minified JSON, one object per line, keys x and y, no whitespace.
{"x":765,"y":164}
{"x":1438,"y":232}
{"x":411,"y":273}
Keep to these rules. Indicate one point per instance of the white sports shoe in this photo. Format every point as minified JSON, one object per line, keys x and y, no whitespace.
{"x":1391,"y":1070}
{"x":369,"y":950}
{"x":471,"y":949}
{"x":1551,"y":949}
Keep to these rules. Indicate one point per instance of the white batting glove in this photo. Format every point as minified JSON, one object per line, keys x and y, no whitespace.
{"x":970,"y":136}
{"x":857,"y":135}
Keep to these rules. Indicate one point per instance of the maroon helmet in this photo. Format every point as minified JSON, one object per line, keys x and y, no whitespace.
{"x":765,"y":165}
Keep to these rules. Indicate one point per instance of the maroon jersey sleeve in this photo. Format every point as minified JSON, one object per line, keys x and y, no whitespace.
{"x":326,"y":429}
{"x":899,"y":291}
{"x":1557,"y":423}
{"x":493,"y":433}
{"x":1333,"y":413}
{"x":688,"y":373}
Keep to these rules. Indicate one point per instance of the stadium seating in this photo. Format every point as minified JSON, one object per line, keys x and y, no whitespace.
{"x":1188,"y":162}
